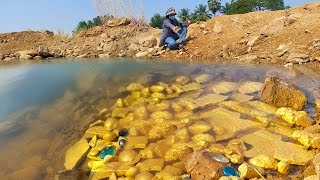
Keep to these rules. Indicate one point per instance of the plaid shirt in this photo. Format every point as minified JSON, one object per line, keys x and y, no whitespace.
{"x":167,"y":31}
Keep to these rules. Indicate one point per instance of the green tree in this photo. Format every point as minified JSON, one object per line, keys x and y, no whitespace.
{"x":157,"y":21}
{"x":85,"y":25}
{"x":214,"y":6}
{"x":184,"y":14}
{"x":200,"y":13}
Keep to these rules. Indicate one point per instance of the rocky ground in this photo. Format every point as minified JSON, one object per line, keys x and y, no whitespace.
{"x":282,"y":37}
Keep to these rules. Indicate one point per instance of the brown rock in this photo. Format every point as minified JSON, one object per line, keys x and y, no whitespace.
{"x":118,"y":22}
{"x":280,"y":94}
{"x":202,"y":166}
{"x":148,"y":42}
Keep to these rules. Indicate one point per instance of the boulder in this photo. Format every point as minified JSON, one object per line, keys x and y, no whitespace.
{"x":104,"y":56}
{"x":298,"y":58}
{"x":141,"y":54}
{"x":280,"y":94}
{"x":201,"y":165}
{"x":26,"y":52}
{"x":44,"y":52}
{"x":148,"y":42}
{"x":25,"y":57}
{"x":118,"y":22}
{"x":76,"y":154}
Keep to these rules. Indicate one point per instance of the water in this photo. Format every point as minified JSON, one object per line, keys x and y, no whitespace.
{"x":45,"y":107}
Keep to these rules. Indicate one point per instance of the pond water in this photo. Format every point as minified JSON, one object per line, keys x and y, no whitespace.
{"x":46,"y":107}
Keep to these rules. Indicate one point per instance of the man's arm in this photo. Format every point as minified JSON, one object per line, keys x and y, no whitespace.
{"x":168,"y":24}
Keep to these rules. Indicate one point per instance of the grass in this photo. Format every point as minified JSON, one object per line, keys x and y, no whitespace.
{"x":131,"y":9}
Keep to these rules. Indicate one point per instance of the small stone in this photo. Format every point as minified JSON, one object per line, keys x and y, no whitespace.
{"x":157,"y":88}
{"x":93,"y":152}
{"x":38,"y":58}
{"x":221,"y":158}
{"x":250,"y":87}
{"x":107,"y":151}
{"x":199,"y":128}
{"x":264,"y":162}
{"x":209,"y":100}
{"x":104,"y":56}
{"x":298,"y":58}
{"x":138,"y":142}
{"x":291,"y":116}
{"x":122,"y":142}
{"x":144,"y":176}
{"x":191,"y":87}
{"x":120,"y":112}
{"x":152,"y":165}
{"x":203,"y":78}
{"x":135,"y":87}
{"x":99,"y":131}
{"x":177,"y":152}
{"x":132,"y":172}
{"x":25,"y":57}
{"x":229,"y":171}
{"x":283,"y":167}
{"x":247,"y":171}
{"x":225,"y":87}
{"x":182,"y":80}
{"x":141,"y":54}
{"x":127,"y":155}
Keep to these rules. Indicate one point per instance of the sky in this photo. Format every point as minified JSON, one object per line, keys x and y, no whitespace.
{"x":64,"y":15}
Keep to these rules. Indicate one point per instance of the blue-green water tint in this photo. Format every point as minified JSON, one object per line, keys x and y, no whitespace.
{"x":45,"y":107}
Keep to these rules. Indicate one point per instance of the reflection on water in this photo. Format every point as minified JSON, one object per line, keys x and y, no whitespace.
{"x":47,"y":107}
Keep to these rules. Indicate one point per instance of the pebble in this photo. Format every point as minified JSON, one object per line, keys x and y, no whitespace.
{"x":123,"y":132}
{"x":107,"y":151}
{"x":221,"y":158}
{"x":122,"y":142}
{"x":230,"y":171}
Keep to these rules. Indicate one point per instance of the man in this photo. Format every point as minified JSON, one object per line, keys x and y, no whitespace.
{"x":170,"y":33}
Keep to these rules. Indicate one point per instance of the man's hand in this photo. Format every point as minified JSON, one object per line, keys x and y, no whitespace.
{"x":175,"y":30}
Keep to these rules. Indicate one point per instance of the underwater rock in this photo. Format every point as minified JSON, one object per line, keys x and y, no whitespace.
{"x":182,"y":80}
{"x":151,"y":165}
{"x":139,"y":142}
{"x":99,"y":131}
{"x":178,"y":152}
{"x":291,"y":116}
{"x":199,"y":127}
{"x":76,"y":154}
{"x":309,"y":137}
{"x":248,"y":171}
{"x":283,"y":167}
{"x":191,"y":87}
{"x":135,"y":87}
{"x":67,"y":175}
{"x":203,"y":78}
{"x":225,"y":87}
{"x":144,"y":176}
{"x":107,"y":169}
{"x":280,"y":94}
{"x":201,"y":165}
{"x":264,"y":162}
{"x":209,"y":99}
{"x":250,"y":87}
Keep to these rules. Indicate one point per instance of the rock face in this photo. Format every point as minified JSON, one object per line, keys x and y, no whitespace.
{"x":76,"y":154}
{"x":148,"y":42}
{"x":279,"y":94}
{"x":118,"y":22}
{"x":202,"y":166}
{"x":298,"y":58}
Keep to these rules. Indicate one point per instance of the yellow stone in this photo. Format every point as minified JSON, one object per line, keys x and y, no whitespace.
{"x":129,"y":100}
{"x":184,"y":114}
{"x":177,"y":88}
{"x":216,"y":148}
{"x":148,"y":153}
{"x":97,"y":123}
{"x":135,"y":87}
{"x":132,"y":172}
{"x":183,"y":122}
{"x":145,"y":92}
{"x":188,"y":103}
{"x":164,"y":105}
{"x":141,"y":127}
{"x":182,"y":80}
{"x":209,"y":99}
{"x":309,"y":137}
{"x":111,"y":123}
{"x":94,"y":152}
{"x":101,"y":144}
{"x":120,"y":168}
{"x":93,"y":164}
{"x":203,"y":78}
{"x":164,"y":176}
{"x":144,"y":176}
{"x":139,"y":142}
{"x":158,"y":95}
{"x":136,"y":94}
{"x":161,"y":130}
{"x":178,"y":152}
{"x":119,"y":103}
{"x":103,"y":111}
{"x":225,"y":87}
{"x":191,"y":87}
{"x":157,"y":88}
{"x":162,"y":114}
{"x":120,"y":112}
{"x":169,"y":90}
{"x":265,"y":162}
{"x":76,"y":154}
{"x":248,"y":171}
{"x":177,"y":107}
{"x":283,"y":167}
{"x":196,"y":145}
{"x":161,"y":148}
{"x":110,"y":136}
{"x":173,"y":170}
{"x":99,"y":131}
{"x":199,"y":127}
{"x":93,"y":141}
{"x":183,"y":135}
{"x":250,"y":87}
{"x":241,"y":97}
{"x":151,"y":165}
{"x":204,"y":137}
{"x":127,"y":155}
{"x":235,"y":158}
{"x":291,"y":116}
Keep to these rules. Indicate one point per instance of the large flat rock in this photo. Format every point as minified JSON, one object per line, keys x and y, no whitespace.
{"x":76,"y":154}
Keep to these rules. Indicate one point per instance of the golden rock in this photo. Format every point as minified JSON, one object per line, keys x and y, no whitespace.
{"x":265,"y":162}
{"x":241,"y":98}
{"x":183,"y":122}
{"x":136,"y":94}
{"x":203,"y":78}
{"x":110,"y":136}
{"x":127,"y":155}
{"x":103,"y":112}
{"x":158,"y":95}
{"x":204,"y":137}
{"x":145,"y":92}
{"x":197,"y":145}
{"x":120,"y":168}
{"x":209,"y":100}
{"x":161,"y":130}
{"x":169,"y":91}
{"x":165,"y":85}
{"x":142,"y":127}
{"x":97,"y":123}
{"x":188,"y":103}
{"x":113,"y":177}
{"x":225,"y":87}
{"x":235,"y":158}
{"x":148,"y":153}
{"x":164,"y":105}
{"x":177,"y":88}
{"x":183,"y":135}
{"x":216,"y":149}
{"x":182,"y":80}
{"x":157,"y":88}
{"x":250,"y":87}
{"x":177,"y":107}
{"x":126,"y":121}
{"x":99,"y":131}
{"x":162,"y":115}
{"x":200,"y":127}
{"x":184,"y":114}
{"x":141,"y":113}
{"x":161,"y":148}
{"x":178,"y":152}
{"x":132,"y":172}
{"x":191,"y":87}
{"x":93,"y":141}
{"x":119,"y":103}
{"x":144,"y":176}
{"x":173,"y":170}
{"x":139,"y":142}
{"x":151,"y":165}
{"x":111,"y":123}
{"x":248,"y":171}
{"x":101,"y":144}
{"x":291,"y":116}
{"x":135,"y":87}
{"x":93,"y":164}
{"x":120,"y":112}
{"x":94,"y":158}
{"x":229,"y":178}
{"x":309,"y":137}
{"x":164,"y":176}
{"x":129,"y":100}
{"x":94,"y":152}
{"x":76,"y":154}
{"x":283,"y":167}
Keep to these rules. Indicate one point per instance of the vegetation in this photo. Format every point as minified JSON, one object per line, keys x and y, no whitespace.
{"x":85,"y":25}
{"x":184,"y":14}
{"x":157,"y":21}
{"x":201,"y":13}
{"x":214,"y":6}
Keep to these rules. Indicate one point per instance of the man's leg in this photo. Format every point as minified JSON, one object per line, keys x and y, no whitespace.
{"x":172,"y":44}
{"x":183,"y":33}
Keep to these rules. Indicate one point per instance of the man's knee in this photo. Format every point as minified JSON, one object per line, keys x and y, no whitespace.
{"x":184,"y":29}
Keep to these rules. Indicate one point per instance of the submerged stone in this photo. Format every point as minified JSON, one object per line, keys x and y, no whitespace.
{"x":209,"y":99}
{"x":157,"y":88}
{"x":120,"y":112}
{"x":221,"y":158}
{"x":250,"y":87}
{"x":203,"y":78}
{"x":76,"y":154}
{"x":107,"y":151}
{"x":139,"y":142}
{"x":151,"y":165}
{"x":291,"y":116}
{"x":127,"y":155}
{"x":191,"y":87}
{"x":182,"y":80}
{"x":135,"y":87}
{"x":123,"y":132}
{"x":265,"y":162}
{"x":225,"y":87}
{"x":248,"y":171}
{"x":229,"y":171}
